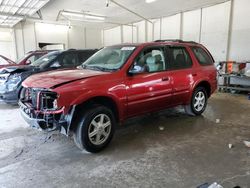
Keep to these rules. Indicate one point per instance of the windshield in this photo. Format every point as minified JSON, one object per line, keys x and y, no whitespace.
{"x":109,"y":58}
{"x":45,"y":60}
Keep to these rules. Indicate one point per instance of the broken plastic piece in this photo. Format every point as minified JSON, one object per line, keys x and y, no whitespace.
{"x":213,"y":185}
{"x":217,"y":121}
{"x":161,"y":128}
{"x":247,"y":143}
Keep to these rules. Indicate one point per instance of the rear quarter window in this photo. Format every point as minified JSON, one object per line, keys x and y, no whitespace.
{"x":202,"y":56}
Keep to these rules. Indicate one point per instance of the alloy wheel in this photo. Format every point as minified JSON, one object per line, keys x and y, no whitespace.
{"x":199,"y":101}
{"x":99,"y":129}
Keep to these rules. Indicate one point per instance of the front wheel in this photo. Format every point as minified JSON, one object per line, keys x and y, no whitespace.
{"x":198,"y":103}
{"x":95,"y":129}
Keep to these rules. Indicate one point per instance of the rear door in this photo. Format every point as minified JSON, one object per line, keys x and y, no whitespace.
{"x":151,"y":89}
{"x":181,"y":72}
{"x":206,"y":68}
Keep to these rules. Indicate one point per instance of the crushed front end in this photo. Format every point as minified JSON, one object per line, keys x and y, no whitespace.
{"x":39,"y":109}
{"x":9,"y":87}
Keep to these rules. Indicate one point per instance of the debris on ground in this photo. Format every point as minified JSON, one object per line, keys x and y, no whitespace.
{"x":247,"y":143}
{"x":217,"y":121}
{"x":230,"y":146}
{"x":161,"y":128}
{"x":207,"y":185}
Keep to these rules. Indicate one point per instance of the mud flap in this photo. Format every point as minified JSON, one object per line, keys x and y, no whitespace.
{"x":188,"y":110}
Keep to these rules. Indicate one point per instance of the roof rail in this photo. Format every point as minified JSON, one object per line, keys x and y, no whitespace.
{"x":175,"y":40}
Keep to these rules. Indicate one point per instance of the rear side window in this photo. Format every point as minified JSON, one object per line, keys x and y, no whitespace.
{"x":202,"y":56}
{"x":180,"y":58}
{"x":151,"y":60}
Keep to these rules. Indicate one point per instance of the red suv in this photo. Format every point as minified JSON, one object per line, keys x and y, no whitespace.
{"x":116,"y":83}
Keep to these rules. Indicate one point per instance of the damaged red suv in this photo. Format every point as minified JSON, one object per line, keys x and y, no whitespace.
{"x":116,"y":83}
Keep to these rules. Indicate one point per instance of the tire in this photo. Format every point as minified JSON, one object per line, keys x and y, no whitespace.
{"x":95,"y":129}
{"x":198,"y":102}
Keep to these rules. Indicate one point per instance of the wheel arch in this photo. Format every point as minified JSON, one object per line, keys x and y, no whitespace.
{"x":206,"y":85}
{"x":106,"y":101}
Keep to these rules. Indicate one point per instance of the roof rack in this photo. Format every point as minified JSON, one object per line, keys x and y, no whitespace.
{"x":175,"y":40}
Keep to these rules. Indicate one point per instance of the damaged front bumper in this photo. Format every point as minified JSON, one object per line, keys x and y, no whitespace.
{"x":9,"y":97}
{"x":45,"y":120}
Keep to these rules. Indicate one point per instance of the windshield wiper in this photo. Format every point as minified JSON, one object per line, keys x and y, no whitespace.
{"x":98,"y":68}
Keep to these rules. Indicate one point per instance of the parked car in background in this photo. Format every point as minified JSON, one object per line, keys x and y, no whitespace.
{"x":117,"y":83}
{"x":27,"y":59}
{"x":4,"y":61}
{"x":32,"y":56}
{"x":11,"y":78}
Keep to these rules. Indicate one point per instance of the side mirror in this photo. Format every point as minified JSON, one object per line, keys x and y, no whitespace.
{"x":28,"y":62}
{"x":55,"y":65}
{"x":136,"y":69}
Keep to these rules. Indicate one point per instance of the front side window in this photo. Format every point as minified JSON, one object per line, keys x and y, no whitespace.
{"x":45,"y":60}
{"x":23,"y":58}
{"x":37,"y":56}
{"x":202,"y":56}
{"x":69,"y":60}
{"x":150,"y":60}
{"x":180,"y":58}
{"x":109,"y":58}
{"x":31,"y":59}
{"x":83,"y":56}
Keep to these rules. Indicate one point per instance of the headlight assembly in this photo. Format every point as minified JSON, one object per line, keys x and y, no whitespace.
{"x":13,"y":82}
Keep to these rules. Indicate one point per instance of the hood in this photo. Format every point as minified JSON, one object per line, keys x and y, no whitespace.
{"x":58,"y":78}
{"x":15,"y":69}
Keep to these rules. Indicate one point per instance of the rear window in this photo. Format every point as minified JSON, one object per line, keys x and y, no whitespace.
{"x":202,"y":56}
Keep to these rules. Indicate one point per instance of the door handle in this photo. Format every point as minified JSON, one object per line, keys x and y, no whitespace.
{"x":165,"y":79}
{"x":194,"y":74}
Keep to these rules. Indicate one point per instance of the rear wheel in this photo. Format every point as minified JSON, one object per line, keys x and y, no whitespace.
{"x":198,"y":103}
{"x":95,"y":129}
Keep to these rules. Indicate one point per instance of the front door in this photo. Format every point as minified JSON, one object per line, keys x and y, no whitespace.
{"x":149,"y":88}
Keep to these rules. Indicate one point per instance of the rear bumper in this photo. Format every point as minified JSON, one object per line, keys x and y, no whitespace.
{"x":44,"y":122}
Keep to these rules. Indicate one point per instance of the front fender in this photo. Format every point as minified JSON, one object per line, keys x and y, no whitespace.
{"x":91,"y":94}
